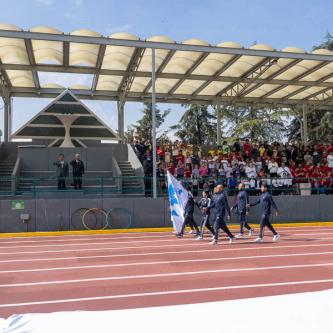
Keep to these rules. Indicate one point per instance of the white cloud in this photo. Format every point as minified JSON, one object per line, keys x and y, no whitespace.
{"x":120,"y":28}
{"x":45,"y":2}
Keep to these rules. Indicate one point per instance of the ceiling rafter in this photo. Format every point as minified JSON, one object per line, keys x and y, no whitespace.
{"x":237,"y":87}
{"x":216,"y":74}
{"x":297,"y":78}
{"x":99,"y":63}
{"x":32,"y":61}
{"x":160,"y":68}
{"x":196,"y":64}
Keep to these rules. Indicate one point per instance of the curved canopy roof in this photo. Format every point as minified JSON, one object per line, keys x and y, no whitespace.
{"x":189,"y":72}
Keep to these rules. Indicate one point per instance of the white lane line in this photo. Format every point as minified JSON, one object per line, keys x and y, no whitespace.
{"x":150,"y":276}
{"x":129,"y":242}
{"x":169,"y":292}
{"x":194,"y":243}
{"x":113,"y":237}
{"x":168,"y":262}
{"x":163,"y":253}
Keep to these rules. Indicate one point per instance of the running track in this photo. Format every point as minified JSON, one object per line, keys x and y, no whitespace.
{"x":104,"y":272}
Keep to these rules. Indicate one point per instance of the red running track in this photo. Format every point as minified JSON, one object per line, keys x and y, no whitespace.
{"x":104,"y":272}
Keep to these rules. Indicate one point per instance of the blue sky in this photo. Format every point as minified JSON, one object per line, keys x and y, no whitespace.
{"x":280,"y":23}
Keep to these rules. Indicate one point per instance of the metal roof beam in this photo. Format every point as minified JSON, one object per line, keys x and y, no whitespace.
{"x":160,"y":68}
{"x":255,"y":71}
{"x":208,"y":78}
{"x":140,"y":97}
{"x":271,"y":77}
{"x":217,"y":74}
{"x":99,"y":63}
{"x":127,"y":80}
{"x":162,"y":45}
{"x":65,"y":54}
{"x":299,"y":77}
{"x":32,"y":61}
{"x":187,"y":75}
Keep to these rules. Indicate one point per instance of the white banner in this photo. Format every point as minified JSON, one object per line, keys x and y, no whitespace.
{"x":177,"y":197}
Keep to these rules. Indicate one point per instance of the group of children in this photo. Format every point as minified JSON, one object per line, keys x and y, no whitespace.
{"x":219,"y":206}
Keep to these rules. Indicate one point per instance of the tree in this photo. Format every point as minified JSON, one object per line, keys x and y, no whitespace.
{"x":263,"y":124}
{"x":197,"y":125}
{"x":144,"y":125}
{"x":320,"y":124}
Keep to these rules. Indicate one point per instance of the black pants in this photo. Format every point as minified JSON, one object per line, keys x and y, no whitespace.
{"x":242,"y":222}
{"x":264,"y":222}
{"x":205,"y":223}
{"x":77,"y":182}
{"x":219,"y":223}
{"x":189,"y":220}
{"x":61,"y":183}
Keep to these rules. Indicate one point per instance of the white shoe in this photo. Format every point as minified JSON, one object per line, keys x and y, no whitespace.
{"x":239,"y":236}
{"x":231,"y":240}
{"x":213,"y":237}
{"x":258,"y":240}
{"x":251,"y":232}
{"x":213,"y":242}
{"x":276,"y":237}
{"x":199,"y":238}
{"x":191,"y":232}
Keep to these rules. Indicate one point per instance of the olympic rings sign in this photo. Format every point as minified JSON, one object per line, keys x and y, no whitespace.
{"x":100,"y":219}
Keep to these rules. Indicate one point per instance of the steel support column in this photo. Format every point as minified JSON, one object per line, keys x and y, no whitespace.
{"x":218,"y":112}
{"x":305,"y":124}
{"x":121,"y":120}
{"x":6,"y":121}
{"x":153,"y":102}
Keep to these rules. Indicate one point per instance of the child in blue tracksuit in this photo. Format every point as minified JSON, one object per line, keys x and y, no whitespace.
{"x":241,"y":206}
{"x":203,"y":205}
{"x":266,"y":203}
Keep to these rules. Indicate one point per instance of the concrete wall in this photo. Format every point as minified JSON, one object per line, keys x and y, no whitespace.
{"x":55,"y":214}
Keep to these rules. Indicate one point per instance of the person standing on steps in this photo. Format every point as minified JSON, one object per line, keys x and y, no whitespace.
{"x":62,"y":171}
{"x":78,"y":171}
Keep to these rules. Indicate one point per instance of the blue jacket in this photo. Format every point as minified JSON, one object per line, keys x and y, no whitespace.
{"x":189,"y":207}
{"x":266,"y":203}
{"x":241,"y":202}
{"x":220,"y":204}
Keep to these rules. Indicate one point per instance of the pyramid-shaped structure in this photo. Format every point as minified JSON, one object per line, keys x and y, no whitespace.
{"x":50,"y":123}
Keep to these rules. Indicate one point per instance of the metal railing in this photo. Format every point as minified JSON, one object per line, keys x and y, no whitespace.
{"x":144,"y":185}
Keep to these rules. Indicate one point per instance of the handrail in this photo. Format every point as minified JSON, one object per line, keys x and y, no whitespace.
{"x":15,"y":173}
{"x":117,"y":172}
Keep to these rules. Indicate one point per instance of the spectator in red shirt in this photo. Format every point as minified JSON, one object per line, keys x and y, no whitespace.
{"x":180,"y":157}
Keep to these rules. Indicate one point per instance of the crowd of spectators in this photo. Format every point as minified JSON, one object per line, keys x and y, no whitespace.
{"x":282,"y":165}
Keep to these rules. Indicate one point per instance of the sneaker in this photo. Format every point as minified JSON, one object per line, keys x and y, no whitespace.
{"x":191,"y":232}
{"x":213,"y":242}
{"x":239,"y":236}
{"x":179,"y":235}
{"x":213,"y":237}
{"x":276,"y":237}
{"x":199,"y":238}
{"x":251,"y":232}
{"x":258,"y":240}
{"x":231,"y":240}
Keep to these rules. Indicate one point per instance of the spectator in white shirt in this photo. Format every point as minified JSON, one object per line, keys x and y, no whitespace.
{"x":273,"y":168}
{"x":330,"y":160}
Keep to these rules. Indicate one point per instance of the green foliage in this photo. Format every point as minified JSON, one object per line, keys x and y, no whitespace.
{"x":197,"y":125}
{"x":260,"y":124}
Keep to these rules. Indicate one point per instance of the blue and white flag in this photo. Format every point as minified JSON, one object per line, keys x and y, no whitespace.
{"x":178,"y":197}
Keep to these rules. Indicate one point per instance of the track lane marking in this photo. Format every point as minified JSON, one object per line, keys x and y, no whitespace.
{"x":170,"y":292}
{"x":150,"y":276}
{"x":184,"y":261}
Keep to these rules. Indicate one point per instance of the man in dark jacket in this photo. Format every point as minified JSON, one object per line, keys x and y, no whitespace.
{"x":78,"y":171}
{"x":220,"y":206}
{"x":241,"y":206}
{"x":62,"y":171}
{"x":266,"y":203}
{"x":188,"y":216}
